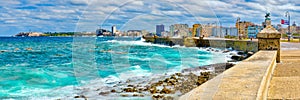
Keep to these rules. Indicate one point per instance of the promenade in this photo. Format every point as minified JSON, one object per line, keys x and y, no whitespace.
{"x":285,"y":81}
{"x":256,"y":78}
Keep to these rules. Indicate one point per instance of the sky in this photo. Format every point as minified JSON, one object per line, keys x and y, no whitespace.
{"x":88,"y":15}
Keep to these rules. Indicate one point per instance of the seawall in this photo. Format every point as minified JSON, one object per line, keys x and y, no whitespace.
{"x":241,"y":45}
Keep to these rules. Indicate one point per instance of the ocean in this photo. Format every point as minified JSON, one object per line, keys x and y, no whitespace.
{"x":55,"y":67}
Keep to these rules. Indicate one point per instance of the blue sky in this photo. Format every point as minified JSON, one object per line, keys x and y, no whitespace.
{"x":87,"y":15}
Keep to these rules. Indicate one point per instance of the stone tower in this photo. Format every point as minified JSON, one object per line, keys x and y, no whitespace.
{"x":269,"y":38}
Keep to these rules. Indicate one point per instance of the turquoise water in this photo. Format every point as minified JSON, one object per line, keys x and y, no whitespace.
{"x":40,"y":66}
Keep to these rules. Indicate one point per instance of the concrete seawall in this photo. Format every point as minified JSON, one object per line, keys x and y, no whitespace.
{"x":241,"y":45}
{"x":248,"y":80}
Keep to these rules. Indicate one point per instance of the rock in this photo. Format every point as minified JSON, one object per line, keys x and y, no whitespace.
{"x":113,"y":90}
{"x":81,"y":96}
{"x":165,"y":90}
{"x":231,"y":54}
{"x":142,"y":95}
{"x":217,"y":51}
{"x":250,"y":53}
{"x":240,"y":53}
{"x":178,"y":74}
{"x":156,"y":96}
{"x":130,"y":85}
{"x":226,"y":51}
{"x":129,"y":89}
{"x":153,"y":90}
{"x":124,"y":95}
{"x":104,"y":93}
{"x":238,"y":58}
{"x":173,"y":77}
{"x":135,"y":95}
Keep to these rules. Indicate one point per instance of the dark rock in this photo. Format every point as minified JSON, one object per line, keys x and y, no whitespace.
{"x":156,"y":96}
{"x":238,"y":58}
{"x":240,"y":53}
{"x":113,"y":90}
{"x":130,"y":85}
{"x":165,"y":90}
{"x":178,"y":74}
{"x":153,"y":90}
{"x":226,"y":51}
{"x":104,"y":93}
{"x":135,"y":95}
{"x":250,"y":53}
{"x":124,"y":95}
{"x":81,"y":96}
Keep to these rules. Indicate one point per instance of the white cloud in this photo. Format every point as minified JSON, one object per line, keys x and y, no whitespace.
{"x":86,"y":15}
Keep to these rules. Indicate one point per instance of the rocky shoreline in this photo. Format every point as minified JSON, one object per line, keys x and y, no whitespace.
{"x":162,"y":87}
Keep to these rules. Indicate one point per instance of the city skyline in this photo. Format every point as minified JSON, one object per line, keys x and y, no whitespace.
{"x":88,"y":15}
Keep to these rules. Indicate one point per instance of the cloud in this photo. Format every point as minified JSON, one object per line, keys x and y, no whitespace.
{"x":87,"y":15}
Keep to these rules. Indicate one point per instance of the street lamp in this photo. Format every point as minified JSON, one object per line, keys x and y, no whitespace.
{"x":287,"y":14}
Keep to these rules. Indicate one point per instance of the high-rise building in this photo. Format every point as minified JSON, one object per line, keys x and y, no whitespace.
{"x":242,"y":27}
{"x":159,"y":29}
{"x":196,"y":30}
{"x":113,"y":30}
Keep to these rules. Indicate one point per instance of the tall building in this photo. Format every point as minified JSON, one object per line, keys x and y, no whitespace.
{"x":159,"y":29}
{"x":179,"y":30}
{"x":217,"y":32}
{"x":242,"y":27}
{"x":196,"y":30}
{"x":113,"y":30}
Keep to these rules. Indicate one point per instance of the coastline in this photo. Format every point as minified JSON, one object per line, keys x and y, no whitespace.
{"x":166,"y":86}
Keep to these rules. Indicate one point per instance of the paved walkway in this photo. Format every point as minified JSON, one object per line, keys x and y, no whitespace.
{"x":285,"y":83}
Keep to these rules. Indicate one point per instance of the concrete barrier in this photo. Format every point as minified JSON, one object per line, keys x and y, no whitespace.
{"x":248,"y":80}
{"x":241,"y":45}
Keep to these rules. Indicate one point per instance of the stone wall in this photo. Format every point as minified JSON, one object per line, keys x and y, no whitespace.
{"x":240,"y":45}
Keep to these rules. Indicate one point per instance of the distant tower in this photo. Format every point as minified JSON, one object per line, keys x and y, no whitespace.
{"x":159,"y":29}
{"x":113,"y":29}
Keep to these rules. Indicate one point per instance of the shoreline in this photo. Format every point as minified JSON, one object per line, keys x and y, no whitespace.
{"x":167,"y":86}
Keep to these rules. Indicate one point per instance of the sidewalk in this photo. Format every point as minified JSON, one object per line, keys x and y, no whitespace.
{"x":285,"y":83}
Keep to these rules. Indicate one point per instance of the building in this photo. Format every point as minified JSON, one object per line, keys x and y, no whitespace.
{"x":134,"y":32}
{"x":254,"y":30}
{"x":179,"y":30}
{"x":232,"y":31}
{"x":165,"y":34}
{"x":217,"y":32}
{"x":159,"y":29}
{"x":221,"y":32}
{"x":242,"y":27}
{"x":196,"y":30}
{"x":206,"y":30}
{"x":100,"y":31}
{"x":113,"y":30}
